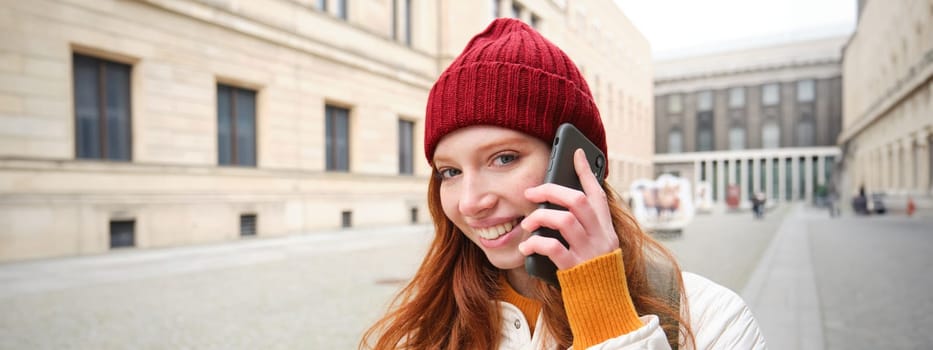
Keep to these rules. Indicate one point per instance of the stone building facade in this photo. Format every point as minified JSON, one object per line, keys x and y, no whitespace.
{"x":765,"y":119}
{"x":888,"y":111}
{"x":156,"y":123}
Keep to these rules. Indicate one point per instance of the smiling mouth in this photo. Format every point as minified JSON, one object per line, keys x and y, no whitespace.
{"x":497,"y":231}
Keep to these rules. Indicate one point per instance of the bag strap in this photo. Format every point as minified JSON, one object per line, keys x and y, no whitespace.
{"x":661,"y":279}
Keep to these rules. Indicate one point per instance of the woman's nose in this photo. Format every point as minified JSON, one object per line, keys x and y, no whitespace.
{"x":476,"y":197}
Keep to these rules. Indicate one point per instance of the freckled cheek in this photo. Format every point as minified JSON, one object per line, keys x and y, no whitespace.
{"x":532,"y":179}
{"x":449,"y":204}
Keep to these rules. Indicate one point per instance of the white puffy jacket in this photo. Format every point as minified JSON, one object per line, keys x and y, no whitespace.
{"x":719,"y":319}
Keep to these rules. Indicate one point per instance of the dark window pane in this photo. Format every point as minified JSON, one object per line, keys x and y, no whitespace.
{"x":705,"y":140}
{"x":87,"y":106}
{"x":346,"y":219}
{"x":224,"y":138}
{"x":342,"y":9}
{"x":405,"y":147}
{"x":122,"y":233}
{"x":408,"y":22}
{"x":248,"y":225}
{"x":342,"y":132}
{"x":394,"y":19}
{"x":236,"y":126}
{"x":329,"y":138}
{"x":337,"y":144}
{"x":118,"y":111}
{"x":102,"y":108}
{"x":246,"y":127}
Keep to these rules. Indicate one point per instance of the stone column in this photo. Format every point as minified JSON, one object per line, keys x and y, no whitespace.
{"x":885,"y":169}
{"x":769,"y":179}
{"x":743,"y":181}
{"x":878,"y":168}
{"x":782,"y":178}
{"x":909,"y":165}
{"x":720,"y":181}
{"x":821,"y":170}
{"x":872,"y":165}
{"x":756,"y":175}
{"x":696,"y":175}
{"x":709,"y":172}
{"x":808,"y":181}
{"x":923,"y":162}
{"x":732,"y":165}
{"x":896,"y":166}
{"x":795,"y":178}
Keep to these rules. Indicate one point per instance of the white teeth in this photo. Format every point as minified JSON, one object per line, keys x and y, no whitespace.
{"x":494,"y":232}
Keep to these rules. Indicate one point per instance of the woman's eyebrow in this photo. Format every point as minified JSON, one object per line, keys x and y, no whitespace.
{"x":512,"y":142}
{"x":484,"y":147}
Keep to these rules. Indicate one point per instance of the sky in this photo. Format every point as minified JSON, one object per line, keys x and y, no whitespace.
{"x":678,"y":28}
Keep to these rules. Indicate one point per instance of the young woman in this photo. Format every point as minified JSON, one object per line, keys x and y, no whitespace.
{"x":490,"y":120}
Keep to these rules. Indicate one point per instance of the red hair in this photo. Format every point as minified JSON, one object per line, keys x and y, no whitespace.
{"x":448,"y":304}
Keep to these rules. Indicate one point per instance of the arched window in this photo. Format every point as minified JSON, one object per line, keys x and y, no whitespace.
{"x":770,"y":135}
{"x":736,"y":138}
{"x":675,"y":141}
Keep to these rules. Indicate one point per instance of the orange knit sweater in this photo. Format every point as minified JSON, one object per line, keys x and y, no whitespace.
{"x":596,"y":299}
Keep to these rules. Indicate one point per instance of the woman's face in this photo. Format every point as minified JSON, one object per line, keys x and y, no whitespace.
{"x":484,"y":173}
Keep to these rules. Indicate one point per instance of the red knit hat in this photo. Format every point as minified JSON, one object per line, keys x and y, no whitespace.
{"x":511,"y":76}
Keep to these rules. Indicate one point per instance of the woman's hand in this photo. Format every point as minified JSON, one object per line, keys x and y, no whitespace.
{"x":587,"y":227}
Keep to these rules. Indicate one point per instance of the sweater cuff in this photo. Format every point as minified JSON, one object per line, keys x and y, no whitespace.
{"x":597,"y":300}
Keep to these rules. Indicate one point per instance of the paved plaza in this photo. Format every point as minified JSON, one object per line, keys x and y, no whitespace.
{"x":812,"y":281}
{"x":304,"y":292}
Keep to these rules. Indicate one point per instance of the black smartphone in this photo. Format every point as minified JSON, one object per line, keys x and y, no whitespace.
{"x":560,"y":171}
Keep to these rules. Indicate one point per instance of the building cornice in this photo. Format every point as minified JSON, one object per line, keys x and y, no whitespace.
{"x":286,"y":37}
{"x":744,"y":71}
{"x":914,"y":78}
{"x":746,"y":154}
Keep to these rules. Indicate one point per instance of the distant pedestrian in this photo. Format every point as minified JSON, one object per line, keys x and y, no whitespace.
{"x":491,"y":118}
{"x":758,"y":205}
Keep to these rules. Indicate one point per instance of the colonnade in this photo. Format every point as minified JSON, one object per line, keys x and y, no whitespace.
{"x":899,"y":166}
{"x":785,"y":174}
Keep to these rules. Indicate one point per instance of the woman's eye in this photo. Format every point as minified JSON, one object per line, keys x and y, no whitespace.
{"x":506,"y":159}
{"x":447,"y":173}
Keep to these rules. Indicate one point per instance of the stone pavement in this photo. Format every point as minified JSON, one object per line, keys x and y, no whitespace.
{"x":782,"y":291}
{"x":845,"y":283}
{"x":874,"y":281}
{"x":724,"y":247}
{"x":316,"y":291}
{"x":812,"y":282}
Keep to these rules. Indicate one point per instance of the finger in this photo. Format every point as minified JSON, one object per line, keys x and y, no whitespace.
{"x":575,"y":201}
{"x":594,"y":194}
{"x":587,"y":179}
{"x":561,"y":220}
{"x":550,"y":248}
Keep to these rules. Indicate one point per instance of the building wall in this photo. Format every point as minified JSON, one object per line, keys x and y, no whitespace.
{"x":788,"y":170}
{"x":888,"y":109}
{"x":297,"y":59}
{"x":751,"y":70}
